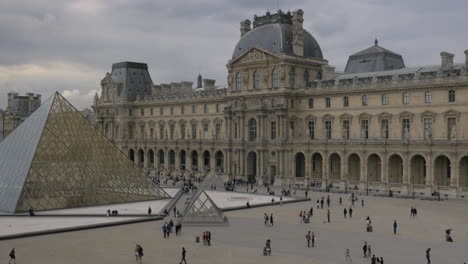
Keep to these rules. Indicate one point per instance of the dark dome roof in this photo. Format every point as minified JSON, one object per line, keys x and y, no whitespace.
{"x":276,"y":38}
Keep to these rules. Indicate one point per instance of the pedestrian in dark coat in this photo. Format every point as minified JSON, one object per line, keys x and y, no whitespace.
{"x":394,"y":227}
{"x":345,"y":212}
{"x":271,"y":219}
{"x":184,"y":252}
{"x":12,"y":256}
{"x":350,"y":212}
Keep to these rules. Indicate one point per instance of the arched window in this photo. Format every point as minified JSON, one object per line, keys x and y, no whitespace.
{"x":274,"y":78}
{"x":256,"y":78}
{"x":238,"y":81}
{"x":252,"y":129}
{"x":306,"y":78}
{"x":292,"y":77}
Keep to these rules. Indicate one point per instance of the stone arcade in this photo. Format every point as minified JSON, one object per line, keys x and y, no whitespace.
{"x":287,"y":117}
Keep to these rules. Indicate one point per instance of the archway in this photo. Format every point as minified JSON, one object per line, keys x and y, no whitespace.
{"x":171,"y":159}
{"x":194,"y":157}
{"x":206,"y":160}
{"x":335,"y":166}
{"x":354,"y":167}
{"x":183,"y":160}
{"x":442,"y":171}
{"x":141,"y":158}
{"x":317,"y":165}
{"x":150,"y":158}
{"x":251,"y":166}
{"x":374,"y":165}
{"x":463,"y":171}
{"x":219,"y":157}
{"x":131,"y":155}
{"x":418,"y":170}
{"x":161,"y":158}
{"x":300,"y":165}
{"x":395,"y":169}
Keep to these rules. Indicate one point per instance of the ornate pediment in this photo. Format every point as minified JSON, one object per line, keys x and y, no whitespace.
{"x":253,"y":55}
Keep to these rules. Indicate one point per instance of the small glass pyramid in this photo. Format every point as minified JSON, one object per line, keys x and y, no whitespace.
{"x":57,"y":159}
{"x":202,"y":210}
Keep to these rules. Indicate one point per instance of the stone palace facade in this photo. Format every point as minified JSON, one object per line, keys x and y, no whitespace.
{"x":286,"y":116}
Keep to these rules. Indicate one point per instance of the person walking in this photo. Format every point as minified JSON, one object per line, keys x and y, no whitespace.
{"x":149,"y":210}
{"x":394,"y":227}
{"x":308,"y":238}
{"x":271,"y":219}
{"x":184,"y":252}
{"x":321,"y":203}
{"x":373,"y":260}
{"x":306,"y":193}
{"x":164,"y":229}
{"x":300,"y":217}
{"x":369,"y":251}
{"x":140,"y":253}
{"x":267,"y":220}
{"x":281,"y":200}
{"x":350,"y":212}
{"x":174,"y":210}
{"x":347,"y":256}
{"x":313,"y":239}
{"x":362,"y":202}
{"x":364,"y":249}
{"x":428,"y":255}
{"x":12,"y":256}
{"x":318,"y":204}
{"x":328,"y":201}
{"x":328,"y":215}
{"x":340,"y":201}
{"x":311,"y":212}
{"x":345,"y":212}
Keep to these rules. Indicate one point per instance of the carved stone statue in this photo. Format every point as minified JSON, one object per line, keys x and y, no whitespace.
{"x":453,"y":132}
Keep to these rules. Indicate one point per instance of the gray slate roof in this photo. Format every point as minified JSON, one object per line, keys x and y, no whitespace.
{"x":374,"y":59}
{"x":276,"y":38}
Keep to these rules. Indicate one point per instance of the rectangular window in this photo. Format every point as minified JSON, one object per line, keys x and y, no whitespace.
{"x":130,"y":112}
{"x":406,"y":98}
{"x":142,"y":132}
{"x":364,"y":100}
{"x":406,"y":129}
{"x":311,"y":103}
{"x":152,"y":111}
{"x":205,"y":109}
{"x":217,"y":108}
{"x":172,"y":110}
{"x":292,"y":103}
{"x":327,"y":102}
{"x":152,"y":133}
{"x":427,"y":128}
{"x":427,"y":97}
{"x":182,"y":110}
{"x":311,"y":128}
{"x":451,"y":96}
{"x":193,"y":109}
{"x":182,"y":131}
{"x":205,"y":131}
{"x":130,"y":132}
{"x":194,"y":131}
{"x":161,"y":131}
{"x":142,"y":112}
{"x":161,"y":111}
{"x":365,"y":129}
{"x":217,"y":130}
{"x":345,"y":101}
{"x":172,"y":128}
{"x":273,"y":129}
{"x":346,"y":129}
{"x":384,"y":124}
{"x":328,"y":129}
{"x":235,"y":130}
{"x":384,"y":99}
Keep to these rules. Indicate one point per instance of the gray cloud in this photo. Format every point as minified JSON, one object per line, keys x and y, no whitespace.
{"x":70,"y":45}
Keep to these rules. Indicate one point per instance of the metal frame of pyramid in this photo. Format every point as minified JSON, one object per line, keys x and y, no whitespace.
{"x":57,"y":159}
{"x":212,"y":179}
{"x":203,"y":211}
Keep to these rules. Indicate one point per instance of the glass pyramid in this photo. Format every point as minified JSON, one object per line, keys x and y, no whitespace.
{"x":212,"y":179}
{"x":57,"y":159}
{"x":202,"y":210}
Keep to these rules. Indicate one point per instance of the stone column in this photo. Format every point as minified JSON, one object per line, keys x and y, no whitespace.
{"x":188,"y":160}
{"x":430,"y":175}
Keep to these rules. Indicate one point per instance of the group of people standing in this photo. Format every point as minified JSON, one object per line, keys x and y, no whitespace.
{"x":268,"y":219}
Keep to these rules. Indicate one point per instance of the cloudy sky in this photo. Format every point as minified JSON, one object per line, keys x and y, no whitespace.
{"x":68,"y":46}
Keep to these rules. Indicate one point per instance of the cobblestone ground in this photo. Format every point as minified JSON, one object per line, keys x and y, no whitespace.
{"x":242,"y":241}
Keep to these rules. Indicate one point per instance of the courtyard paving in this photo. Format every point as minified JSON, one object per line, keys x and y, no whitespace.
{"x":242,"y":241}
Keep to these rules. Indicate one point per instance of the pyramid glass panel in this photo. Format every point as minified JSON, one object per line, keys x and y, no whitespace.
{"x":202,"y":210}
{"x":74,"y":166}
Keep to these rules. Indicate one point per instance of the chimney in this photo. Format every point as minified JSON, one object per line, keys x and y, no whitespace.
{"x":298,"y":32}
{"x":208,"y":84}
{"x":447,"y":60}
{"x":328,"y":72}
{"x":466,"y":59}
{"x":244,"y":27}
